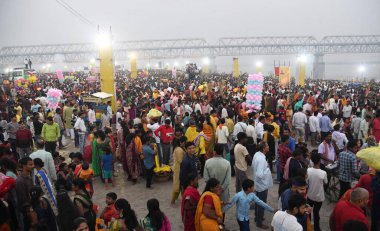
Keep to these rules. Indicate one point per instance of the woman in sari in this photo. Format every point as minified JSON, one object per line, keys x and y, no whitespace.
{"x":209,"y":215}
{"x":97,"y":152}
{"x":208,"y":130}
{"x":83,"y":203}
{"x":127,"y":218}
{"x":122,"y":134}
{"x":133,"y":152}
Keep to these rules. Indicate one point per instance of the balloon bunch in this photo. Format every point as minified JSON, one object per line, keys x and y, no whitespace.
{"x":21,"y":85}
{"x":60,"y":76}
{"x":254,"y":93}
{"x":53,"y":97}
{"x":32,"y":79}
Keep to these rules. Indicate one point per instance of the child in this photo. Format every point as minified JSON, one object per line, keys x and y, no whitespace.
{"x":86,"y":173}
{"x":243,"y":200}
{"x":109,"y":211}
{"x":64,"y":177}
{"x":107,"y":159}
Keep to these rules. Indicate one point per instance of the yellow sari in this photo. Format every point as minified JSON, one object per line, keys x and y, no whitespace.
{"x":209,"y":144}
{"x":203,"y":223}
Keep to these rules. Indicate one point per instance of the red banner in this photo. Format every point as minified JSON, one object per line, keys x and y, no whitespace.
{"x":276,"y":71}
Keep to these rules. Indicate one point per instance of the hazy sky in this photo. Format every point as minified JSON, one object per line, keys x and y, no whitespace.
{"x":28,"y":22}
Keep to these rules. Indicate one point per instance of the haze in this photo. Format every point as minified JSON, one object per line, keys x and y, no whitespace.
{"x":28,"y":22}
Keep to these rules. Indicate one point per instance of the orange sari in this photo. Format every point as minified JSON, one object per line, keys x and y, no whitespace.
{"x":203,"y":223}
{"x":209,"y":144}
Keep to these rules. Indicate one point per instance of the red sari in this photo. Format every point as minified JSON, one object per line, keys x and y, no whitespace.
{"x":192,"y":194}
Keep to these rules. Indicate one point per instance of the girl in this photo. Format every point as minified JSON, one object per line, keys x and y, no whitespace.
{"x":155,"y":220}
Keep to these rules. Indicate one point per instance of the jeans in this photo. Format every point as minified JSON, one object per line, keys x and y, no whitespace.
{"x":316,"y":207}
{"x":166,"y":153}
{"x":259,"y":211}
{"x":159,"y":150}
{"x":243,"y":225}
{"x":50,"y":146}
{"x":81,"y":142}
{"x":149,"y":176}
{"x":344,"y":186}
{"x":62,"y":132}
{"x":278,"y":174}
{"x":76,"y":138}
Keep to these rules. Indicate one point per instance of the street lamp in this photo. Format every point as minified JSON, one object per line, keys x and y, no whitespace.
{"x":259,"y":66}
{"x":103,"y":40}
{"x":362,"y":69}
{"x":176,"y":64}
{"x":92,"y":60}
{"x":206,"y":63}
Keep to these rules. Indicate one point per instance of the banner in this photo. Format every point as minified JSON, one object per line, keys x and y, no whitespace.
{"x":276,"y":71}
{"x":236,"y":67}
{"x":284,"y":76}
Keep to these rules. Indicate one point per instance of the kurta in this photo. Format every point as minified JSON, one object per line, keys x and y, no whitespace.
{"x":178,"y":155}
{"x":67,"y":116}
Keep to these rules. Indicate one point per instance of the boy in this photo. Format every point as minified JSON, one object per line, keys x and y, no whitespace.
{"x":107,"y":159}
{"x":109,"y":211}
{"x":243,"y":200}
{"x":86,"y":173}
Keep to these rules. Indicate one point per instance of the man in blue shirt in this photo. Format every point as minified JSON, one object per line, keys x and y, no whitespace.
{"x":148,"y":153}
{"x":243,"y":200}
{"x":188,"y":165}
{"x":299,"y":186}
{"x":325,"y":125}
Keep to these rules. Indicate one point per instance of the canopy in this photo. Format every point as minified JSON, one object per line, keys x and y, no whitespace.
{"x":102,"y":95}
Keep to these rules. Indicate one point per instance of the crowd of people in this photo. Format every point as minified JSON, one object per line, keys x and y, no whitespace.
{"x":203,"y":129}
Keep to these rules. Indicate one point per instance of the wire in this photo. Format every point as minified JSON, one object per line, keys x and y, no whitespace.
{"x":74,"y":12}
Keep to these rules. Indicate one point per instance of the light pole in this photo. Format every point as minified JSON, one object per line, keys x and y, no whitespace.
{"x":206,"y":65}
{"x":259,"y":66}
{"x":104,"y":42}
{"x":302,"y":61}
{"x":362,"y":70}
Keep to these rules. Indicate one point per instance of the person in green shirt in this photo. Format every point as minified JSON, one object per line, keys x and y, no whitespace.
{"x":50,"y":134}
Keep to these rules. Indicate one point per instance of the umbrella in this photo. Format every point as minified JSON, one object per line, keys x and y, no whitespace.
{"x":153,"y":113}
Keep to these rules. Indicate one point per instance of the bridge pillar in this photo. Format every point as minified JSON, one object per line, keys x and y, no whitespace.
{"x":318,"y":67}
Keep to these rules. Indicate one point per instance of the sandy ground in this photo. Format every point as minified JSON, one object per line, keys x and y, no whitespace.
{"x":137,"y":195}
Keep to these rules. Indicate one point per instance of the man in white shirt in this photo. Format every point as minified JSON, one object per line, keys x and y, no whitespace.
{"x":262,"y":177}
{"x":306,"y":107}
{"x":316,"y":179}
{"x":314,"y":128}
{"x":347,"y":109}
{"x":153,"y":126}
{"x":339,"y":137}
{"x":299,"y":121}
{"x":286,"y":220}
{"x":251,"y":132}
{"x":222,"y":135}
{"x":224,"y":112}
{"x":81,"y":129}
{"x":239,"y":127}
{"x":260,"y":129}
{"x":197,"y":107}
{"x":364,"y":126}
{"x":91,"y":115}
{"x":47,"y":158}
{"x":355,"y":125}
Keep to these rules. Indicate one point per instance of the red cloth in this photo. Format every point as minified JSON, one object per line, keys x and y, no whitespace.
{"x":193,"y":194}
{"x":345,"y":211}
{"x":167,"y":133}
{"x":7,"y":184}
{"x":24,"y":138}
{"x":284,"y":153}
{"x":108,"y":213}
{"x":376,"y":129}
{"x":365,"y":181}
{"x":209,"y":201}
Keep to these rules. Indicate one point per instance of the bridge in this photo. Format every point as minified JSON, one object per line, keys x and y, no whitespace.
{"x":198,"y":47}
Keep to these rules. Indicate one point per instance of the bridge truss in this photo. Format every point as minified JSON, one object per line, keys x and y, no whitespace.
{"x":197,"y":48}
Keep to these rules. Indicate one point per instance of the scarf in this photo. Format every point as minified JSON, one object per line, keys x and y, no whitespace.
{"x":197,"y":139}
{"x":48,"y":190}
